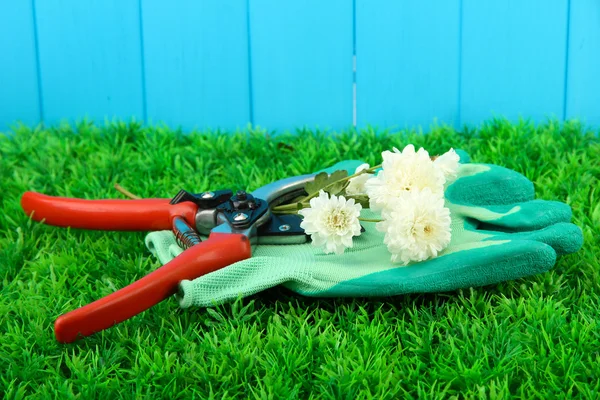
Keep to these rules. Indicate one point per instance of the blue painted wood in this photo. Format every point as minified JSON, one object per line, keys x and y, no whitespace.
{"x":196,"y":63}
{"x":513,"y":59}
{"x":407,"y":56}
{"x":583,"y":82}
{"x":19,"y":100}
{"x":301,"y":63}
{"x":192,"y":67}
{"x":90,"y":59}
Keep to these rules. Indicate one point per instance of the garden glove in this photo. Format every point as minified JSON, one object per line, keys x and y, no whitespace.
{"x":499,"y":233}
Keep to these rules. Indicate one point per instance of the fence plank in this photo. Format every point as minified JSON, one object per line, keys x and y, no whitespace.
{"x":583,"y":76}
{"x":301,"y":63}
{"x":407,"y":56}
{"x":19,"y":97}
{"x":90,"y":59}
{"x":196,"y":61}
{"x":513,"y":59}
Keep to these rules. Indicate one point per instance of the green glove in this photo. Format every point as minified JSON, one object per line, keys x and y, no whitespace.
{"x":499,"y":233}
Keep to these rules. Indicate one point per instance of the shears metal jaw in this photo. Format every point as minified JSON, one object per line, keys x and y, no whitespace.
{"x":233,"y":224}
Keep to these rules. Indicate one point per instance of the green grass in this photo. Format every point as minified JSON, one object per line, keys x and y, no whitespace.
{"x":536,"y":338}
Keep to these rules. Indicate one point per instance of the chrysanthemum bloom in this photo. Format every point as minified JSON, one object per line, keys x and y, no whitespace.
{"x":356,"y":186}
{"x":418,"y":226}
{"x":448,"y":163}
{"x":402,"y":172}
{"x":331,"y":222}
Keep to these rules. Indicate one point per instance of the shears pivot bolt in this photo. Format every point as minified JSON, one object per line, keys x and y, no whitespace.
{"x":284,"y":227}
{"x":240,"y":217}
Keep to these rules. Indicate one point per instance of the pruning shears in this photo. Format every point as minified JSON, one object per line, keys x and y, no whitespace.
{"x":233,"y":224}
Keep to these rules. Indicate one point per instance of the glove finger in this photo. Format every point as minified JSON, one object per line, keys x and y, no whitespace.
{"x":463,"y":156}
{"x":496,"y":262}
{"x":563,"y":237}
{"x":162,"y":245}
{"x":487,"y":184}
{"x":243,"y":279}
{"x":530,"y":215}
{"x":304,"y":269}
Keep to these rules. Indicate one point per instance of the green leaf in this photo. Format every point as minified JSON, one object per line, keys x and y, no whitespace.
{"x":337,"y":187}
{"x":317,"y":184}
{"x":361,"y":199}
{"x":337,"y":183}
{"x":338,"y":175}
{"x":332,"y":184}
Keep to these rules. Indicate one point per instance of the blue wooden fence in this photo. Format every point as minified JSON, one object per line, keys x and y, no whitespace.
{"x":283,"y":64}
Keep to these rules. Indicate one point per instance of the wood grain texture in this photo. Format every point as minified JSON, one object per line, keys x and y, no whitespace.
{"x":301,"y":63}
{"x":282,"y":65}
{"x":90,"y":59}
{"x":513,"y":59}
{"x":196,"y":63}
{"x":19,"y":91}
{"x":583,"y":74}
{"x":407,"y":56}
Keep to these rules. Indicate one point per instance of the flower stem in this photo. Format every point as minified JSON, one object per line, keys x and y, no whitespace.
{"x":364,"y":171}
{"x":126,"y":192}
{"x":289,"y":208}
{"x":293,"y":207}
{"x":279,"y":212}
{"x":372,"y":169}
{"x":370,"y":220}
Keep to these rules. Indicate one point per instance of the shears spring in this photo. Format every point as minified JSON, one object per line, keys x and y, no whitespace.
{"x":185,"y":235}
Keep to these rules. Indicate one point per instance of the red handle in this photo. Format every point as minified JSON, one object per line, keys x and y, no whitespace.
{"x":109,"y":214}
{"x":220,"y":250}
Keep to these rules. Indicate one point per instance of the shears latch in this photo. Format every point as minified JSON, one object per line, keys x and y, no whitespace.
{"x":203,"y":200}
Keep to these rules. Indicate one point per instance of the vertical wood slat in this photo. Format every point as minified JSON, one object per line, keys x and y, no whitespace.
{"x":90,"y":59}
{"x":514,"y":54}
{"x":196,"y":63}
{"x":407,"y":56}
{"x":513,"y":59}
{"x":583,"y":77}
{"x":301,"y":63}
{"x":19,"y":91}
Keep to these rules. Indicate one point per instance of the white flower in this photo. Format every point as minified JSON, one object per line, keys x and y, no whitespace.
{"x":418,"y":227}
{"x":448,"y":163}
{"x":357,"y":184}
{"x":403,"y":171}
{"x":331,"y":222}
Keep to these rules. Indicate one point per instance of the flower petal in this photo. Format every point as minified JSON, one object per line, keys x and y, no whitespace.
{"x":332,"y":222}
